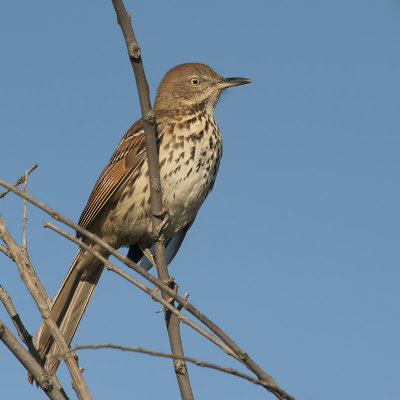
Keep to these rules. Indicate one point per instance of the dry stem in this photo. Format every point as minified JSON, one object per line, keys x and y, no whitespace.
{"x":41,"y":299}
{"x":31,"y":365}
{"x":20,"y":180}
{"x":110,"y":266}
{"x":244,"y":358}
{"x":199,"y":363}
{"x":149,"y":122}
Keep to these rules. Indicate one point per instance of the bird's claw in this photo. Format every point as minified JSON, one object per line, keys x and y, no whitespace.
{"x":170,"y":300}
{"x":164,"y":216}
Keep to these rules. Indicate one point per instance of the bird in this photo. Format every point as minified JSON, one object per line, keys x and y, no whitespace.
{"x":118,"y":210}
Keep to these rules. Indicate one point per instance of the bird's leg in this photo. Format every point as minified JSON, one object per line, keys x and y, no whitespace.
{"x":174,"y":287}
{"x":155,"y":235}
{"x":171,"y":284}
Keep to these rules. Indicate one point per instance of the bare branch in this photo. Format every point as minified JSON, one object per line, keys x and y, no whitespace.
{"x":7,"y":252}
{"x":25,"y":336}
{"x":42,"y":378}
{"x":41,"y":300}
{"x":199,"y":363}
{"x":149,"y":122}
{"x":244,"y":357}
{"x":145,"y":288}
{"x":24,"y":219}
{"x":20,"y":180}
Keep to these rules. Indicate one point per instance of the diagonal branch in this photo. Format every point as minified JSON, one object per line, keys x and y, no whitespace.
{"x":244,"y":357}
{"x":149,"y":121}
{"x":41,"y":300}
{"x":141,"y":350}
{"x":26,"y":337}
{"x":167,"y":304}
{"x":7,"y":252}
{"x":20,"y":180}
{"x":31,"y":365}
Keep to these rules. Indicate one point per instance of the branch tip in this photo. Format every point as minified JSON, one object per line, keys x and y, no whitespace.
{"x":20,"y":180}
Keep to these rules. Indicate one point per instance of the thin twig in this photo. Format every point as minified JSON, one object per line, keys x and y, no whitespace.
{"x":24,"y":219}
{"x":7,"y":252}
{"x":20,"y":180}
{"x":110,"y":266}
{"x":43,"y":379}
{"x":199,"y":363}
{"x":25,"y":336}
{"x":244,"y":357}
{"x":149,"y":123}
{"x":41,"y":301}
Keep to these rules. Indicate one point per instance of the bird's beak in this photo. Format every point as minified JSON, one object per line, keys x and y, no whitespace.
{"x":229,"y":82}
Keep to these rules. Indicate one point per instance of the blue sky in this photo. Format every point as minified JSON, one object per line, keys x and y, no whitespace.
{"x":296,"y":251}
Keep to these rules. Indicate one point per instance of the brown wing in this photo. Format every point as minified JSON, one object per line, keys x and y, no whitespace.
{"x":124,"y":163}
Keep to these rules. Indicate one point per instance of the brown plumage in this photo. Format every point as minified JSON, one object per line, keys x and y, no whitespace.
{"x":118,"y":209}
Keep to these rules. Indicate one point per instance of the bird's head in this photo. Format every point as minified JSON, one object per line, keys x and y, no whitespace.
{"x":190,"y":85}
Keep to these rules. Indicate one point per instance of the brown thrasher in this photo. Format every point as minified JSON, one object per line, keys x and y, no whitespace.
{"x":118,"y":209}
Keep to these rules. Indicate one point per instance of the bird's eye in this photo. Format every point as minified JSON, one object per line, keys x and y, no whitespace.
{"x":195,"y":81}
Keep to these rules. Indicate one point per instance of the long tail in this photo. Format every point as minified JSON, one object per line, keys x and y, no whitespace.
{"x":69,"y":305}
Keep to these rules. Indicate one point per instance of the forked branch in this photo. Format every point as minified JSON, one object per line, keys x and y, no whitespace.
{"x":31,"y":365}
{"x":20,"y":180}
{"x":244,"y":357}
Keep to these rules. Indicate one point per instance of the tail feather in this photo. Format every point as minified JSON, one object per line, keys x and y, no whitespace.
{"x":68,"y":307}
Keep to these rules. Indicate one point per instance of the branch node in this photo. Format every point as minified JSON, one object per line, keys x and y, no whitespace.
{"x":150,"y":117}
{"x":45,"y":382}
{"x":156,"y":184}
{"x":164,"y":216}
{"x":20,"y":180}
{"x":170,"y":282}
{"x":134,"y":51}
{"x":161,"y":215}
{"x":180,"y":366}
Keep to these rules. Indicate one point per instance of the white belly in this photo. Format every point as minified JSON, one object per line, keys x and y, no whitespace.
{"x":185,"y":189}
{"x":187,"y":169}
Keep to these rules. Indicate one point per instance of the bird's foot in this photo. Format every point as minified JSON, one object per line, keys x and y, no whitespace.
{"x":185,"y":297}
{"x":170,"y":300}
{"x":164,"y":216}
